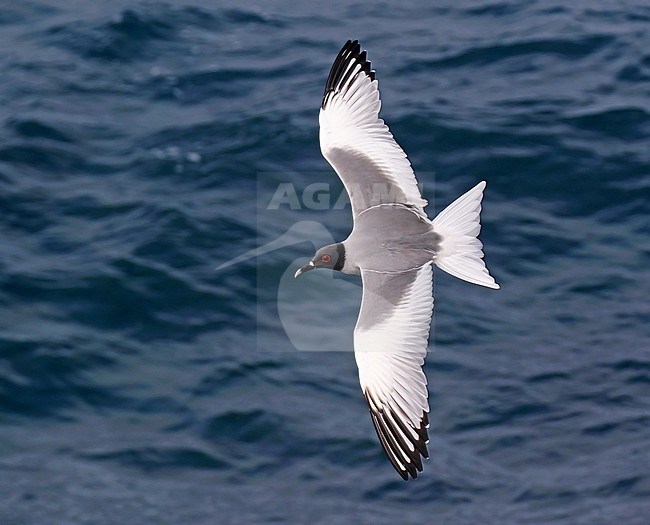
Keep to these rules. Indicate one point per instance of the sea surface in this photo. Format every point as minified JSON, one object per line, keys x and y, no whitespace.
{"x":141,"y":147}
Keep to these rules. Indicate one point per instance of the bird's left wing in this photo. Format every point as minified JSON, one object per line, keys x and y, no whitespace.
{"x":356,"y":142}
{"x":390,"y":343}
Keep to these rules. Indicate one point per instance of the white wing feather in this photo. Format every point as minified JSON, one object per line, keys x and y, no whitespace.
{"x":390,"y":355}
{"x":356,"y":142}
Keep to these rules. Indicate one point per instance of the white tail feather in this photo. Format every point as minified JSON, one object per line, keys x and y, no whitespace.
{"x":460,"y":252}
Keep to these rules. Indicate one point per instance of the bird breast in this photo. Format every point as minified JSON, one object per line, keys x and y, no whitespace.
{"x":391,"y":238}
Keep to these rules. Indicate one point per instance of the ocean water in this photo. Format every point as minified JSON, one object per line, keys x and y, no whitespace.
{"x":140,"y":146}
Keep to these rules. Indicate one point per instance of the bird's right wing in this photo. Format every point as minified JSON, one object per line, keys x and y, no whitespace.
{"x":390,"y":343}
{"x":356,"y":142}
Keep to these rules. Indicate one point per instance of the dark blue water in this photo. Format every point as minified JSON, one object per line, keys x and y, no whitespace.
{"x":139,"y":142}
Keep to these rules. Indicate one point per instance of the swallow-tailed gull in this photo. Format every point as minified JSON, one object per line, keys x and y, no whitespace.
{"x":393,"y":245}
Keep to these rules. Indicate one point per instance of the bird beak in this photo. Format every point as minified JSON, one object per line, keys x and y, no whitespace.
{"x":305,"y":268}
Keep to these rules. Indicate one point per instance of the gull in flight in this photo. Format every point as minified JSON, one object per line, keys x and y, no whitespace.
{"x":393,"y":245}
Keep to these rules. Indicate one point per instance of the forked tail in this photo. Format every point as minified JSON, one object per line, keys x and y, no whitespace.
{"x":460,"y":253}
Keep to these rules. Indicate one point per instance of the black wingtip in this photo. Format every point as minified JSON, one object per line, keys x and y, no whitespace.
{"x":339,"y":76}
{"x":392,"y":431}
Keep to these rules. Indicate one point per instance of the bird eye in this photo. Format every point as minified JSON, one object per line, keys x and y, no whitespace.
{"x":325,"y":258}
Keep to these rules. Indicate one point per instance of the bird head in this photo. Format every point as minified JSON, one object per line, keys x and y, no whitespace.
{"x":331,"y":257}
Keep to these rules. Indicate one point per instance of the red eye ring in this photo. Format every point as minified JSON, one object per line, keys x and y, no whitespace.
{"x":325,"y":258}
